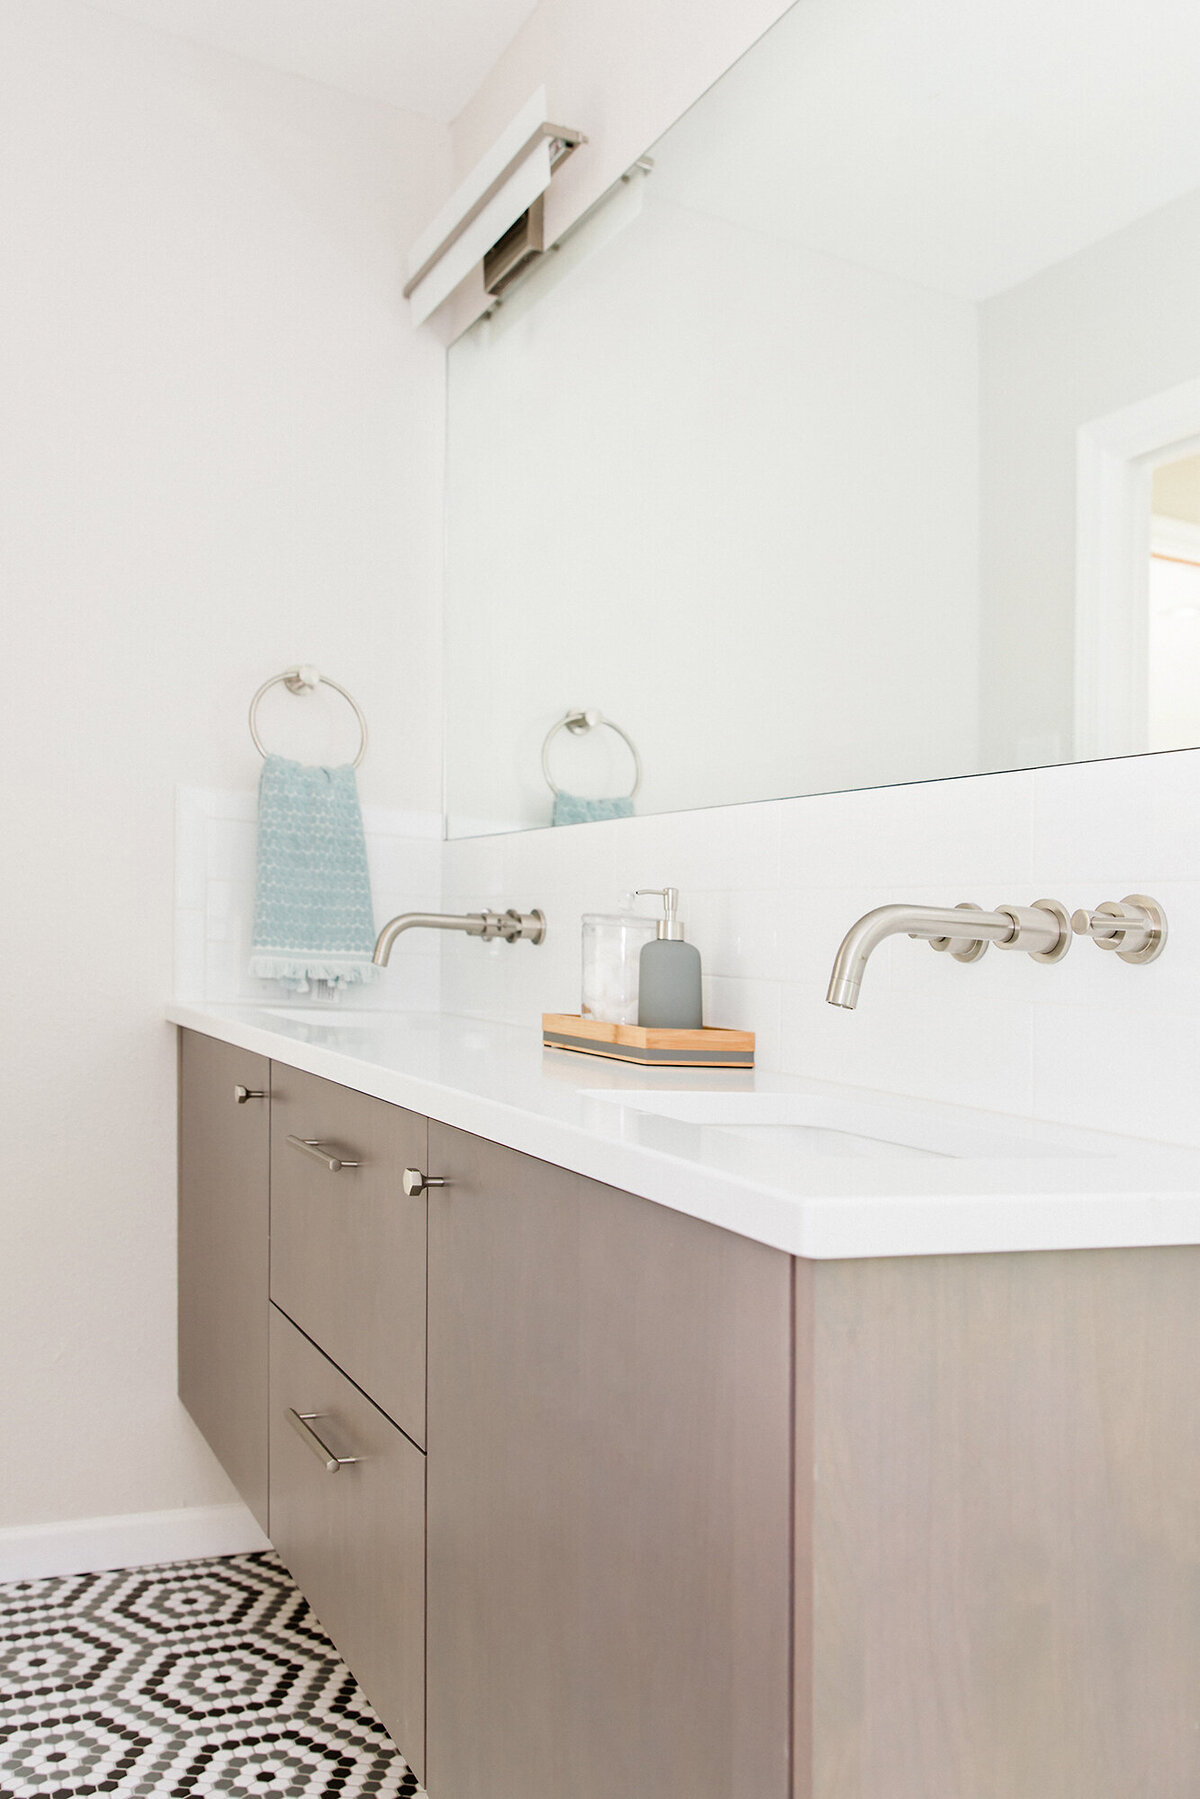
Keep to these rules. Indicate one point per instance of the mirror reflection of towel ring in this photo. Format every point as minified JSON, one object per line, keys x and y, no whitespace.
{"x":579,"y":724}
{"x":303,"y":680}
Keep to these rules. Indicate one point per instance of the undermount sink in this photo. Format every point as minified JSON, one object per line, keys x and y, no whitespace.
{"x":819,"y":1125}
{"x":344,"y":1021}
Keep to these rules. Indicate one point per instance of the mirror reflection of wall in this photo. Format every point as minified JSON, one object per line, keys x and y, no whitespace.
{"x":776,"y":461}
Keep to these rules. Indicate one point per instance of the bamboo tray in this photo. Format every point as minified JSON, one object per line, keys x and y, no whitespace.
{"x":648,"y":1044}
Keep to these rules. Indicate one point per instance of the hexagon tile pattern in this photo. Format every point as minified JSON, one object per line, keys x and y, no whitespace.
{"x":181,"y":1681}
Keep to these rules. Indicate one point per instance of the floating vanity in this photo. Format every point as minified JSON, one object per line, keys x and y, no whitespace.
{"x":703,"y":1435}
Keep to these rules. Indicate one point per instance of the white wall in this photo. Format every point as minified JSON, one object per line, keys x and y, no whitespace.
{"x":723,"y":488}
{"x":1108,"y":327}
{"x":219,"y":452}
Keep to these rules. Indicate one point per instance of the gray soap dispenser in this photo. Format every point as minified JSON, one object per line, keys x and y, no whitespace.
{"x":669,"y":972}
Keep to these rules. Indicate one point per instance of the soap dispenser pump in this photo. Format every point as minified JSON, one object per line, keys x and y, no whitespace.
{"x":669,"y":993}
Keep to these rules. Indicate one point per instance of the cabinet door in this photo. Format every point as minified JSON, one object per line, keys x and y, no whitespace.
{"x":224,"y":1148}
{"x":352,"y":1536}
{"x":348,"y":1245}
{"x":609,"y":1475}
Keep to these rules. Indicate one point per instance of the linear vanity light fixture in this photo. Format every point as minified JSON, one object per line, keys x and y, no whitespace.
{"x":508,"y":262}
{"x":503,"y":186}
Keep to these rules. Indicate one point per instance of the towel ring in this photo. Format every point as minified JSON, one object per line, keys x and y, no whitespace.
{"x":579,"y":724}
{"x":303,"y":680}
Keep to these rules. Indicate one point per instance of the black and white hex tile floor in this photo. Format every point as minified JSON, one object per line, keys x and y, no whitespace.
{"x":180,"y":1681}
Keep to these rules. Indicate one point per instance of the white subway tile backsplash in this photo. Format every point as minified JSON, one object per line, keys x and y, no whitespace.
{"x":947,"y":1045}
{"x":191,"y":856}
{"x":189,"y":952}
{"x":1127,"y":823}
{"x":742,"y":932}
{"x":403,"y":864}
{"x":225,"y":977}
{"x":768,"y":892}
{"x":226,"y":910}
{"x":409,"y":985}
{"x":230,"y":849}
{"x":743,"y":1005}
{"x":1119,"y":1068}
{"x":999,"y":1033}
{"x":474,"y":865}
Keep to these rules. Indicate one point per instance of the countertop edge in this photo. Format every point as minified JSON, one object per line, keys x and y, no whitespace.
{"x":811,"y":1228}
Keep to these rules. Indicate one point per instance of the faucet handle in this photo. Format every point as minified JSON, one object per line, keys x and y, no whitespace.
{"x":1135,"y":927}
{"x":1042,"y":930}
{"x":516,"y":925}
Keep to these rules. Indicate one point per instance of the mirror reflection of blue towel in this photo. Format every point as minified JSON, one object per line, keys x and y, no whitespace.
{"x":313,"y":918}
{"x":569,"y":809}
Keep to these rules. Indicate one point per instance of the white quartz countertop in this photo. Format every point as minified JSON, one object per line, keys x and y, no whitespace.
{"x":816,"y":1169}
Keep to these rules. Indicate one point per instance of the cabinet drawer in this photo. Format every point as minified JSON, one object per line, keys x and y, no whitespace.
{"x":348,"y":1246}
{"x":353,"y":1539}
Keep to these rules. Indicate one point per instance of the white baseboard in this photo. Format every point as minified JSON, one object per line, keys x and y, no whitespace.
{"x":132,"y":1540}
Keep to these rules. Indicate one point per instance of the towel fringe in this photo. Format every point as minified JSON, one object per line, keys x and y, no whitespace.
{"x":296,"y":972}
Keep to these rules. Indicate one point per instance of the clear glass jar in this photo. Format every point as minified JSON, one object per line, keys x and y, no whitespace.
{"x":612,"y":944}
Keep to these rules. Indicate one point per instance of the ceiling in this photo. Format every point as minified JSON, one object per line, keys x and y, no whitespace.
{"x":427,"y":56}
{"x":961,"y":144}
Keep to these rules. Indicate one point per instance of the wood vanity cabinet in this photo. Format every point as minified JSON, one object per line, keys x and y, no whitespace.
{"x":638,"y":1504}
{"x":609,"y":1477}
{"x":998,"y":1526}
{"x":602,"y":1519}
{"x":224,"y":1159}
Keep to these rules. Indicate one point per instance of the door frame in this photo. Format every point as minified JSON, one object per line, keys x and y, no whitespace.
{"x":1115,"y":460}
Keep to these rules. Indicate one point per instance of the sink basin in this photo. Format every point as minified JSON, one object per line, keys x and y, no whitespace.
{"x":332,"y":1020}
{"x":817,"y":1125}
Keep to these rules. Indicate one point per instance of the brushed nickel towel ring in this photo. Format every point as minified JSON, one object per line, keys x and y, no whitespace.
{"x":302,"y":680}
{"x":579,"y":724}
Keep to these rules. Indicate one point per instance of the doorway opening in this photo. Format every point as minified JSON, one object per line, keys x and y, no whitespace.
{"x":1137,"y":613}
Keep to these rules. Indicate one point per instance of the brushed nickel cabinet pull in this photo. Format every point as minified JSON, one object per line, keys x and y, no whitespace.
{"x":300,"y":1423}
{"x":309,"y":1146}
{"x":242,"y":1094}
{"x":416,"y":1182}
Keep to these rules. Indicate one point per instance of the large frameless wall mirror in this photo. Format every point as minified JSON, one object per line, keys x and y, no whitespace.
{"x":856,"y":442}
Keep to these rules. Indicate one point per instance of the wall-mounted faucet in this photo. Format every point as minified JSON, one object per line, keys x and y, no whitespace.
{"x":512,"y":926}
{"x":1042,"y":930}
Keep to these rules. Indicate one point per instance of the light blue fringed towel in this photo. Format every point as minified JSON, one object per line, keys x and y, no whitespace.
{"x":570,"y":809}
{"x":313,"y":919}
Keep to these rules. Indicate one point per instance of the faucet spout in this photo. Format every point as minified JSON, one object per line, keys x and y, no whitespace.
{"x":471,"y":923}
{"x":934,"y":922}
{"x":510,"y":925}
